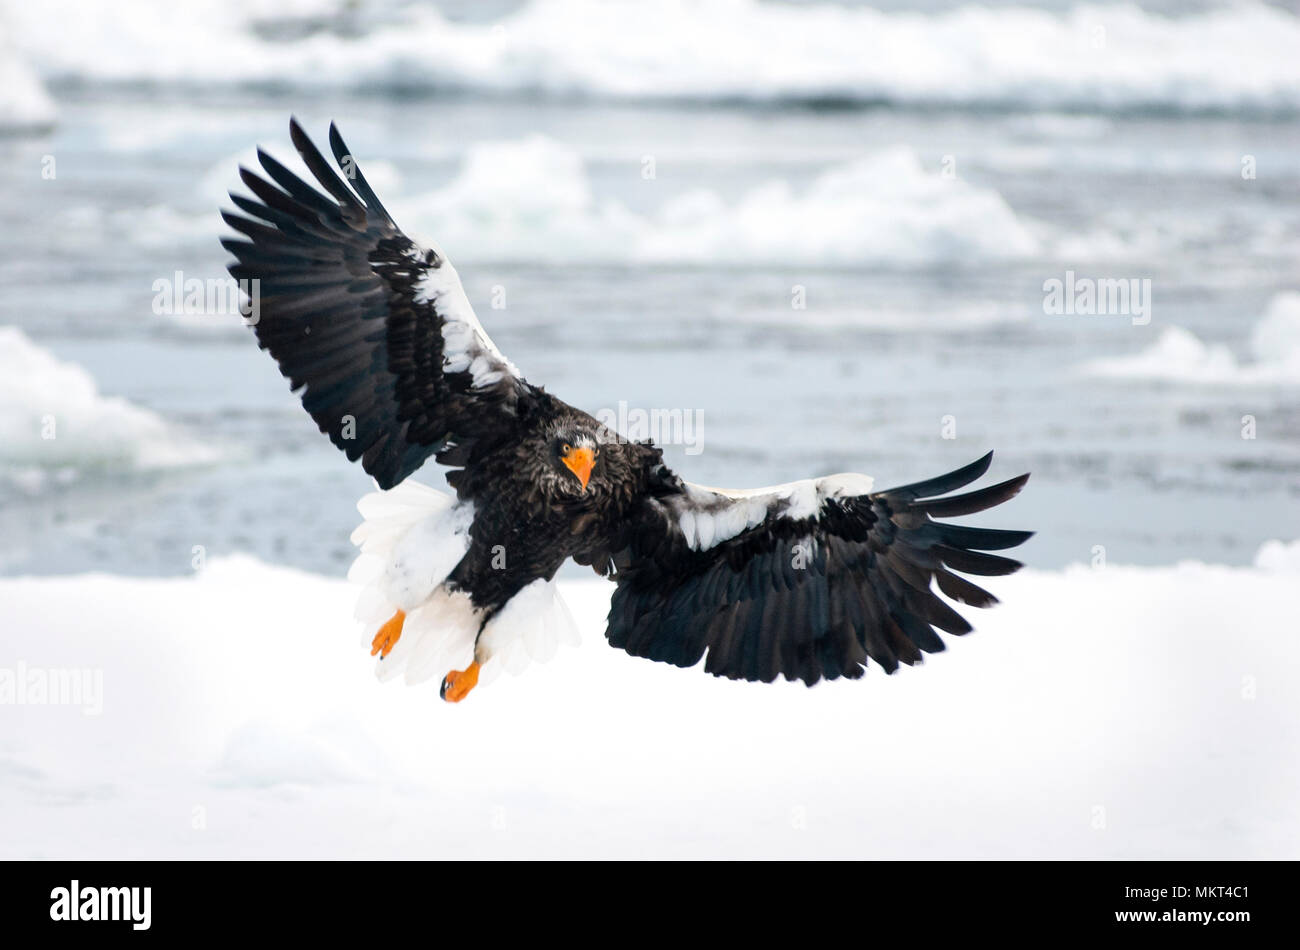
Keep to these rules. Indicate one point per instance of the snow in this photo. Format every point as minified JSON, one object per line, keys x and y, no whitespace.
{"x":1090,"y":55}
{"x":54,"y":422}
{"x":1099,"y":712}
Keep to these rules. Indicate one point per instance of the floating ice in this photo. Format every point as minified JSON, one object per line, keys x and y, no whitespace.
{"x":1092,"y":56}
{"x":54,"y":421}
{"x":532,"y":199}
{"x":25,"y":106}
{"x":1178,"y":355}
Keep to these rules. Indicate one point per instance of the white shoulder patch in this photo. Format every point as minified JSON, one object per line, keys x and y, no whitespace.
{"x":466,"y":347}
{"x":709,"y":516}
{"x":845,"y":485}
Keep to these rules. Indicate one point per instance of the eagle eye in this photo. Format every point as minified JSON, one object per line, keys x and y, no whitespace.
{"x":566,"y":448}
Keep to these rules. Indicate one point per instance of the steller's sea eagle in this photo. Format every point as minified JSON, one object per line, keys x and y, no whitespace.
{"x":807,"y":580}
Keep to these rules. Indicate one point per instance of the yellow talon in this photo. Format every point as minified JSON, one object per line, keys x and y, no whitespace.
{"x":388,"y":635}
{"x":457,"y":684}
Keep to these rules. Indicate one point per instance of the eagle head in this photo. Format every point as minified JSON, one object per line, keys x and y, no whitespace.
{"x":575,"y":457}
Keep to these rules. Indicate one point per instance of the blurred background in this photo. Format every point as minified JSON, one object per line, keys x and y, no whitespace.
{"x":823,"y":227}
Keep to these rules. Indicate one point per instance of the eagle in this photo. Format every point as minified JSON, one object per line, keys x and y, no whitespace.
{"x":806,"y":581}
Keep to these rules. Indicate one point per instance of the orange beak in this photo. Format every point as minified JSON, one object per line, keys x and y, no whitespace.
{"x":580,"y":462}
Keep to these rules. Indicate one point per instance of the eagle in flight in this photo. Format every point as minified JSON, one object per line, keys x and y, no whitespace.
{"x":807,"y":580}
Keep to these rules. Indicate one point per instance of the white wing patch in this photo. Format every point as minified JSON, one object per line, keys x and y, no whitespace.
{"x":466,"y":347}
{"x":707,"y":517}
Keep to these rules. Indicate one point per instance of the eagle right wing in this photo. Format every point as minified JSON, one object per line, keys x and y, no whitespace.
{"x":374,"y":331}
{"x":806,"y":580}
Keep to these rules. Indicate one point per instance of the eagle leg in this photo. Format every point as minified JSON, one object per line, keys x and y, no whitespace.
{"x":457,"y":684}
{"x":388,"y":635}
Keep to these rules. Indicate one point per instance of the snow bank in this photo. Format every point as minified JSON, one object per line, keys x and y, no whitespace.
{"x":1178,"y":355}
{"x":1120,"y":712}
{"x":54,"y":421}
{"x":532,"y":199}
{"x":1093,"y":55}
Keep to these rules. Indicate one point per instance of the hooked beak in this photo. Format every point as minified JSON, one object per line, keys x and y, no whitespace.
{"x":580,"y":462}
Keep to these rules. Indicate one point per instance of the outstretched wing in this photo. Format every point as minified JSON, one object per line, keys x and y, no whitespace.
{"x":374,"y":330}
{"x":806,"y":580}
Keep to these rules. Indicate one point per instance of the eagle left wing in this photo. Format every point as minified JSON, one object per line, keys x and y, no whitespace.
{"x":806,"y":580}
{"x":372,"y":329}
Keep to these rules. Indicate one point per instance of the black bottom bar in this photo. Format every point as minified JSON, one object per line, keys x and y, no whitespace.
{"x":1168,"y":900}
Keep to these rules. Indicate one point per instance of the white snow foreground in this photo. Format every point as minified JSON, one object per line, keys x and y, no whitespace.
{"x":1122,"y":712}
